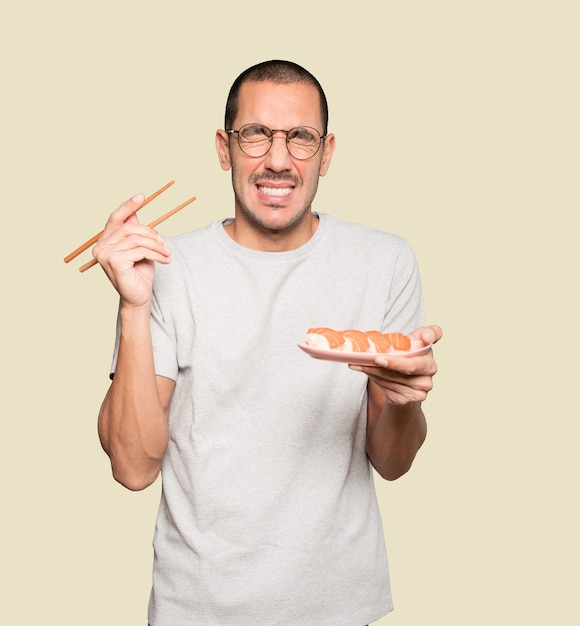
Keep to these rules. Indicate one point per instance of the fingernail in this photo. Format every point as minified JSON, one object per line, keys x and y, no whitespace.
{"x":430,"y":335}
{"x":356,"y":368}
{"x":138,"y":197}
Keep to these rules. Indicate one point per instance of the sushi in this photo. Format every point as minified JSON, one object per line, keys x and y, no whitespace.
{"x":352,"y":340}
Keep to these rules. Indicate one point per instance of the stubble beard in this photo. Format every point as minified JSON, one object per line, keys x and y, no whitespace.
{"x":257,"y":220}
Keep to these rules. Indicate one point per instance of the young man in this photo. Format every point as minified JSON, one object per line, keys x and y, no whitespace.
{"x":268,"y":513}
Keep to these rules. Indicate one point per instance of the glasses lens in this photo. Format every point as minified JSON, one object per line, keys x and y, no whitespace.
{"x":303,"y":142}
{"x":254,"y":139}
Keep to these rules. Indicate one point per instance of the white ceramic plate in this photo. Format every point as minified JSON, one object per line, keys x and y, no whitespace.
{"x":358,"y":358}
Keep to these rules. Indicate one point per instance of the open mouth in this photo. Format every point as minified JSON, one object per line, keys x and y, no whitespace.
{"x":275,"y":191}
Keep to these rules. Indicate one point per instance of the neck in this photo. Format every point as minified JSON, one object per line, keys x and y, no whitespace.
{"x":271,"y":240}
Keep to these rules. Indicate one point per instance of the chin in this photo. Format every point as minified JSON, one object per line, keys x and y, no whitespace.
{"x":279,"y":223}
{"x":275,"y":217}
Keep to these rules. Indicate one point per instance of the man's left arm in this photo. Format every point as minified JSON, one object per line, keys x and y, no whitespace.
{"x":396,"y":425}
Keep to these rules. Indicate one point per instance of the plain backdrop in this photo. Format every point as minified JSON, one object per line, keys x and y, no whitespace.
{"x":457,"y":127}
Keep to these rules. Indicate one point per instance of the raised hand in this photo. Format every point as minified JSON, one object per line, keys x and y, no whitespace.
{"x":127,"y":251}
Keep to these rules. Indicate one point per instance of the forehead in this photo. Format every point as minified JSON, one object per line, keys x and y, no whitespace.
{"x":279,"y":105}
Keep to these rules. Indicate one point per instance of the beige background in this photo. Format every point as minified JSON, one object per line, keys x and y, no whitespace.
{"x":457,"y":126}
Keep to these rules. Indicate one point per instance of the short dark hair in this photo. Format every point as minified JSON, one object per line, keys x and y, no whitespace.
{"x":281,"y":72}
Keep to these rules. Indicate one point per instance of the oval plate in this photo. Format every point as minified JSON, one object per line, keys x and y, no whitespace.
{"x":359,"y":358}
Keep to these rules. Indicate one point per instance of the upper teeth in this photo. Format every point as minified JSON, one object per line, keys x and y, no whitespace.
{"x":275,"y":191}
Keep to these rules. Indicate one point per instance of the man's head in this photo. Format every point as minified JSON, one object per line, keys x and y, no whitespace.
{"x":276,"y":166}
{"x":278,"y":72}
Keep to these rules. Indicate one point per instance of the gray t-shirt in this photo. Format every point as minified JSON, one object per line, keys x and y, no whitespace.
{"x":268,"y":512}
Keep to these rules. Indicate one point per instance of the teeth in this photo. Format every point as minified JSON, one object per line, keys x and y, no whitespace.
{"x":275,"y":191}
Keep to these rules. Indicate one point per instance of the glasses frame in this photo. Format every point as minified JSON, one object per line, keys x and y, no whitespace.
{"x":271,"y":140}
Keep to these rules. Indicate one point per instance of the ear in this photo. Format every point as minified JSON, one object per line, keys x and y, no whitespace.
{"x":329,"y":145}
{"x":222,"y":145}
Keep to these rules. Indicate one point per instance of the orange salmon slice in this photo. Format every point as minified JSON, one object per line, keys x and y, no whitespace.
{"x":334,"y":338}
{"x":398,"y":341}
{"x":382,"y":344}
{"x":359,"y":340}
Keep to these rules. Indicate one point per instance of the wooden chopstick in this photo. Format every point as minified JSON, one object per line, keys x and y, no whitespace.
{"x":153,"y":224}
{"x":94,"y":239}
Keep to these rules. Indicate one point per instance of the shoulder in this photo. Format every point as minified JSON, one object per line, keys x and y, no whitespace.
{"x":192,"y":249}
{"x":359,"y":237}
{"x":200,"y":236}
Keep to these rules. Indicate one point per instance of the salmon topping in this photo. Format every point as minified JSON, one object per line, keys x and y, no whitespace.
{"x":362,"y":341}
{"x":334,"y":338}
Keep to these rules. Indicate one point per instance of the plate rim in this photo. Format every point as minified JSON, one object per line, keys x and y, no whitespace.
{"x":366,"y":358}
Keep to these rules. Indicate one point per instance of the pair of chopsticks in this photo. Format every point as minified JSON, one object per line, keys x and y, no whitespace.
{"x":153,"y":224}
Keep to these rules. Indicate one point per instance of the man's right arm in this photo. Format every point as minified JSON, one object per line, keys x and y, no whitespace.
{"x":133,"y":420}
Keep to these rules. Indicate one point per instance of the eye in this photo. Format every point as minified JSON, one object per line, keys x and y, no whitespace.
{"x":304,"y":136}
{"x":254,"y":132}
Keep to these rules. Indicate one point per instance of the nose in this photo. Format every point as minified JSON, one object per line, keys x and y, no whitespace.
{"x":278,"y":157}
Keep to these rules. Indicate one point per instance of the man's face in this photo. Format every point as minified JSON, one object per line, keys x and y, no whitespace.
{"x":274,"y":193}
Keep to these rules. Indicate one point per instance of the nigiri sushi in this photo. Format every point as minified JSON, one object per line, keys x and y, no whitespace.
{"x":322,"y":337}
{"x":351,"y":340}
{"x":356,"y":341}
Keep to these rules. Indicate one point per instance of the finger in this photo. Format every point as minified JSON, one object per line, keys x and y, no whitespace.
{"x":425,"y":335}
{"x":404,"y":366}
{"x":109,"y":250}
{"x":431,"y":334}
{"x":127,"y":209}
{"x":379,"y":373}
{"x":438,"y":332}
{"x":415,"y":388}
{"x":400,"y":367}
{"x":126,"y":235}
{"x":128,"y":258}
{"x":131,"y":234}
{"x":403,"y":395}
{"x":152,"y":243}
{"x":401,"y":392}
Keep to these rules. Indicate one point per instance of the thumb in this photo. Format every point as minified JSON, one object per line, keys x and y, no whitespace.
{"x":431,"y":334}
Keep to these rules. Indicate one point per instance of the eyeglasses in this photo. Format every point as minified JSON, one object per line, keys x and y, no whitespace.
{"x":255,"y":140}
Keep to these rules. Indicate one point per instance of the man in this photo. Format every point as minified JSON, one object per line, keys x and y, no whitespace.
{"x":268,"y":513}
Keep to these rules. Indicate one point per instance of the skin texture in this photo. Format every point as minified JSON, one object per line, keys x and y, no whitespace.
{"x":265,"y":221}
{"x":133,"y":420}
{"x":396,"y":424}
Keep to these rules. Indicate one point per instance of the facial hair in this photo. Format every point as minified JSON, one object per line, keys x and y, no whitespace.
{"x":274,"y":177}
